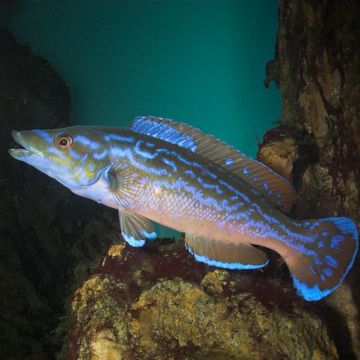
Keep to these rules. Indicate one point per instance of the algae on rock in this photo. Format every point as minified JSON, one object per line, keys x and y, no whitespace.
{"x":168,"y":317}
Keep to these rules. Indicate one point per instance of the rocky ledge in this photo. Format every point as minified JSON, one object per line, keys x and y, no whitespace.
{"x":158,"y":303}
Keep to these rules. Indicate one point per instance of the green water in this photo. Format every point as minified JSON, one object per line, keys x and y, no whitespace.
{"x":201,"y":62}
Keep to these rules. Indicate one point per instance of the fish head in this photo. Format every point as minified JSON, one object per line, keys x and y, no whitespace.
{"x":74,"y":156}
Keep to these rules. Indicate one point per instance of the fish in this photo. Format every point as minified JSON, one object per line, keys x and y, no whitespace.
{"x":229,"y":205}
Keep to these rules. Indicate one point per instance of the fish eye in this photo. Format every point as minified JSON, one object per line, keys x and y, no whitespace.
{"x":64,"y":141}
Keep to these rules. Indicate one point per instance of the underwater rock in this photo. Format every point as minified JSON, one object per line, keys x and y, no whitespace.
{"x":281,"y":155}
{"x":281,"y":151}
{"x":181,"y":309}
{"x":316,"y":69}
{"x":45,"y":246}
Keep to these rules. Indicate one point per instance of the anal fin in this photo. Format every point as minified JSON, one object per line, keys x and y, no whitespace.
{"x":135,"y":229}
{"x":224,"y":254}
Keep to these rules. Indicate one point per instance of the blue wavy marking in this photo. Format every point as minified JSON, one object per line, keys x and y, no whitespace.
{"x":139,"y":242}
{"x":144,"y":153}
{"x":345,"y":225}
{"x":117,"y":137}
{"x":151,"y":236}
{"x":311,"y":293}
{"x":132,"y":241}
{"x":170,"y":163}
{"x":336,"y":240}
{"x":74,"y":154}
{"x":58,"y":153}
{"x":210,"y":186}
{"x":91,"y":167}
{"x":328,"y":272}
{"x":101,"y":155}
{"x":44,"y":135}
{"x":225,"y":265}
{"x":190,"y":173}
{"x":93,"y":145}
{"x":331,"y":261}
{"x":314,"y":293}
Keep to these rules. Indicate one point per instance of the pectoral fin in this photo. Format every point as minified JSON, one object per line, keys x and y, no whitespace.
{"x":225,"y":255}
{"x":135,"y":229}
{"x":123,"y":181}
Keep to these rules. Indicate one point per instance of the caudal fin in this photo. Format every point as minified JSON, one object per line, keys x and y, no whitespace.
{"x":327,"y":253}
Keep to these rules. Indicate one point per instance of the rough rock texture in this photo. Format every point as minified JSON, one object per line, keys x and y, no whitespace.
{"x":45,"y":246}
{"x":317,"y":70}
{"x":281,"y":151}
{"x":157,"y":303}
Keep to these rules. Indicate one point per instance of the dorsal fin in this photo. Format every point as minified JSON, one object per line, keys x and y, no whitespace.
{"x":275,"y":188}
{"x":167,"y":130}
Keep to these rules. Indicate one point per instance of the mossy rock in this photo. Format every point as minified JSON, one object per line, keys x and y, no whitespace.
{"x":168,"y":317}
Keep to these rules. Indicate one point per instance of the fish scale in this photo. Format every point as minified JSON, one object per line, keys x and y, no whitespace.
{"x":202,"y":198}
{"x":223,"y":201}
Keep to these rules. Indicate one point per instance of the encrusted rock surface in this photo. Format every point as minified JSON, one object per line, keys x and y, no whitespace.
{"x":317,"y":70}
{"x":157,"y":303}
{"x":281,"y":151}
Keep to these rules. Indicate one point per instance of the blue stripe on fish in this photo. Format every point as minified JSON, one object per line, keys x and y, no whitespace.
{"x":85,"y":141}
{"x":101,"y":155}
{"x":75,"y":155}
{"x":43,"y":134}
{"x":311,"y":293}
{"x":132,"y":241}
{"x":117,"y":137}
{"x":226,"y":265}
{"x":336,"y":240}
{"x":328,"y":272}
{"x":170,"y":163}
{"x":331,"y":261}
{"x":151,"y":236}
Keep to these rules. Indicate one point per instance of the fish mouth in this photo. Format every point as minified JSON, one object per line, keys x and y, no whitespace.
{"x":22,"y":153}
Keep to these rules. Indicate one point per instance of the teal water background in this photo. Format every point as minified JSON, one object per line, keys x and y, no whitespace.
{"x":199,"y":62}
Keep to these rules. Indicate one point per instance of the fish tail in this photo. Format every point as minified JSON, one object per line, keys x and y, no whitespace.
{"x":323,"y":256}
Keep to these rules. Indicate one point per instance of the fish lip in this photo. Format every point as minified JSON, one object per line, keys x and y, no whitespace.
{"x":26,"y":151}
{"x":16,"y":135}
